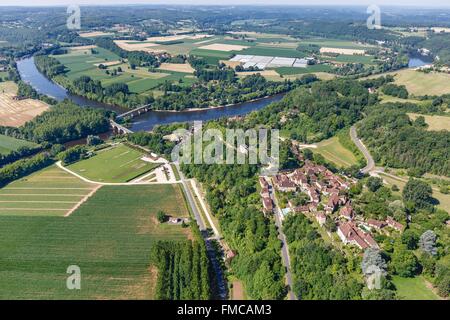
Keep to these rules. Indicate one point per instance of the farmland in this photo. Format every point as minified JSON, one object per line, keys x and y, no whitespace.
{"x":83,"y":62}
{"x":330,"y":43}
{"x":435,"y":123}
{"x":48,"y":192}
{"x":347,"y":58}
{"x":15,"y":112}
{"x":8,"y":144}
{"x":332,"y":150}
{"x":116,"y":164}
{"x":421,"y":83}
{"x":109,"y":238}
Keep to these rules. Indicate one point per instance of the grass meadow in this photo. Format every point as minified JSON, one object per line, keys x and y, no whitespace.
{"x":421,"y":83}
{"x":8,"y":144}
{"x":435,"y":123}
{"x":116,"y":164}
{"x":109,"y":237}
{"x":413,"y":289}
{"x":333,"y":151}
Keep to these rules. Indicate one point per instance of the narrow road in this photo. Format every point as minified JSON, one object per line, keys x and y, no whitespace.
{"x":222,"y":287}
{"x":370,"y":162}
{"x":205,"y":209}
{"x":282,"y":237}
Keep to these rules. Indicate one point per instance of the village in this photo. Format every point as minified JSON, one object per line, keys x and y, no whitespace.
{"x":318,"y":193}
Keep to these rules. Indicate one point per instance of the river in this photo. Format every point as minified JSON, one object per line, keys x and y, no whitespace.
{"x":145,"y":122}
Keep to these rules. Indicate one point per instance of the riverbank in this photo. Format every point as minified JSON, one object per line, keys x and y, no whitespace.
{"x":223,"y":106}
{"x":144,"y":122}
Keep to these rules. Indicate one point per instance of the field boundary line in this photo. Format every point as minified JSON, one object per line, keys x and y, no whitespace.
{"x":37,"y":201}
{"x":90,"y":194}
{"x":59,"y":164}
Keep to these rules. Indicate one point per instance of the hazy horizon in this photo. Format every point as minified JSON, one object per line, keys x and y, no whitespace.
{"x":406,"y":3}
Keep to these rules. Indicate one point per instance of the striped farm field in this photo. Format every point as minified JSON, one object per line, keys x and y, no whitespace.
{"x":48,"y":192}
{"x":115,"y":164}
{"x":109,"y":238}
{"x":332,"y":150}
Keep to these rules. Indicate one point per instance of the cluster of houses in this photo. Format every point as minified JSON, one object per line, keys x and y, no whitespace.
{"x":350,"y":232}
{"x":327,"y":195}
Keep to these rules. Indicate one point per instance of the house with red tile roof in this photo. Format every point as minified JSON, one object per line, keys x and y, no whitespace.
{"x":267,"y":204}
{"x":332,"y":203}
{"x":394,"y":224}
{"x":347,"y":212}
{"x":264,"y":192}
{"x":349,"y":233}
{"x":377,"y":224}
{"x":301,"y":209}
{"x":263,"y":183}
{"x":284,"y":184}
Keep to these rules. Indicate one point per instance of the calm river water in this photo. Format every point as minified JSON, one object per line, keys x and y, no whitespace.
{"x":30,"y":74}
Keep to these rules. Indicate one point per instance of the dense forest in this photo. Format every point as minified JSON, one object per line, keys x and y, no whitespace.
{"x":183,"y":270}
{"x":398,"y":142}
{"x":320,"y":272}
{"x":223,"y":93}
{"x":316,"y":113}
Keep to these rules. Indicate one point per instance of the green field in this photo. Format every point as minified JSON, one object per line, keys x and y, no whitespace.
{"x":309,"y":69}
{"x":330,"y":43}
{"x":211,"y":56}
{"x":347,"y":58}
{"x":420,"y":83}
{"x":8,"y":144}
{"x":109,"y":238}
{"x":332,"y":150}
{"x":413,"y":289}
{"x":48,"y":192}
{"x":116,"y":164}
{"x":83,"y":63}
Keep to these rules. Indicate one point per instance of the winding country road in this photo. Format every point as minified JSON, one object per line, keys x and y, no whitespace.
{"x":370,"y":162}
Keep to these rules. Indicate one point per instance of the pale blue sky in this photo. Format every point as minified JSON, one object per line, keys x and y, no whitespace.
{"x":434,"y":3}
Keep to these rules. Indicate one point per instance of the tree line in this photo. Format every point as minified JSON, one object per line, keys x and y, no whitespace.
{"x":23,"y":168}
{"x":183,"y":270}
